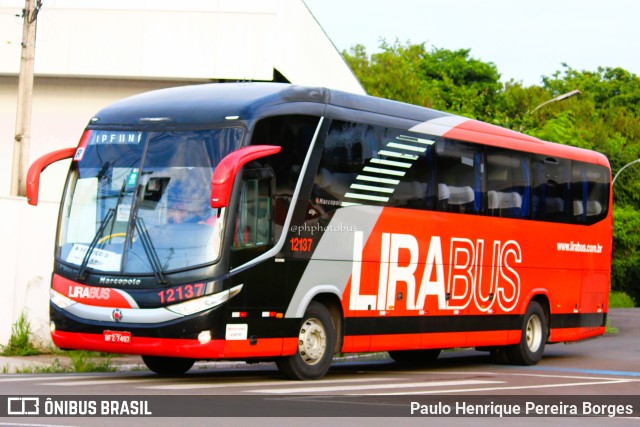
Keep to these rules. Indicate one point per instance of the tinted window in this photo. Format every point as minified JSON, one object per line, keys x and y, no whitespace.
{"x":460,"y":169}
{"x":590,"y":192}
{"x":294,"y":135}
{"x":364,"y":164}
{"x":552,"y":195}
{"x":508,"y":183}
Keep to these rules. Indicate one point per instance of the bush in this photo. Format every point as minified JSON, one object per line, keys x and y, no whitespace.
{"x":20,"y":342}
{"x":620,"y":300}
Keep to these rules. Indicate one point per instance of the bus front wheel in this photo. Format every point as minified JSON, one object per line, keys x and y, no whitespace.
{"x":534,"y":336}
{"x":316,"y":341}
{"x":168,"y":365}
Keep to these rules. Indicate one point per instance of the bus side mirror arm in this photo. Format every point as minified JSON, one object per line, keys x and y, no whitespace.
{"x":36,"y":168}
{"x":226,"y":171}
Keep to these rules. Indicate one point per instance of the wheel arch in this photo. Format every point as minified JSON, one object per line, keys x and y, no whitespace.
{"x":332,"y":302}
{"x":541,"y":296}
{"x":329,"y":296}
{"x":543,"y":300}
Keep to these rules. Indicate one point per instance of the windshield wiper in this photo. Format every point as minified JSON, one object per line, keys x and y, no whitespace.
{"x":149,"y":250}
{"x":82,"y":272}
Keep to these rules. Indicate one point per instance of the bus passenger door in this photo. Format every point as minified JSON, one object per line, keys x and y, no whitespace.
{"x":253,"y":236}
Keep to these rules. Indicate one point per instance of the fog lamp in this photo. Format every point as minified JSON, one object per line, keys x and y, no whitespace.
{"x":204,"y":337}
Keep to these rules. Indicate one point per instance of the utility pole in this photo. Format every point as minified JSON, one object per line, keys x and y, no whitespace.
{"x":22,"y":137}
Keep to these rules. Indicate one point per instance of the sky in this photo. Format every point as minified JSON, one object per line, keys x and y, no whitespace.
{"x":526,"y":39}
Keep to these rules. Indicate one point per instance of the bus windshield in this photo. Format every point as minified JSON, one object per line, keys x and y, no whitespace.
{"x":138,"y":202}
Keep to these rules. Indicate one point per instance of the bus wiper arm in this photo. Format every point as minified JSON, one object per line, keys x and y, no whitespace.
{"x":82,"y":272}
{"x":150,"y":250}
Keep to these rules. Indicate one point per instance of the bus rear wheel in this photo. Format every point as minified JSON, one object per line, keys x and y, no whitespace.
{"x":533,"y":339}
{"x":316,"y":341}
{"x":168,"y":365}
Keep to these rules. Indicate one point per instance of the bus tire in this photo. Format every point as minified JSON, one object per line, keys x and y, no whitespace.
{"x":415,"y":356}
{"x":316,"y":341}
{"x":168,"y":365}
{"x":534,"y":336}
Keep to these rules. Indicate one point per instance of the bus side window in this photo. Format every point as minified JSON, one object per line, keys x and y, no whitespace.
{"x":294,"y":134}
{"x":589,"y":192}
{"x":415,"y":189}
{"x":508,"y":183}
{"x":552,"y":185}
{"x":346,"y":150}
{"x":366,"y":164}
{"x":460,"y":170}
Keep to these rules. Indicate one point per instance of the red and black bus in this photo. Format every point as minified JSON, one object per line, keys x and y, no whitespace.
{"x":260,"y":221}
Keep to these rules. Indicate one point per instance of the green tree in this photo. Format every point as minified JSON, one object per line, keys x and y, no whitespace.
{"x":625,"y":271}
{"x":393,"y":73}
{"x":603,"y":118}
{"x":447,"y":80}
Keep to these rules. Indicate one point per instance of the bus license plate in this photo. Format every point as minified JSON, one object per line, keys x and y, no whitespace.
{"x":117,"y":337}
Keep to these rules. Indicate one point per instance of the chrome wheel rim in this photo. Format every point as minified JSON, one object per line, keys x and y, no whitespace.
{"x":312,"y":341}
{"x":534,"y":333}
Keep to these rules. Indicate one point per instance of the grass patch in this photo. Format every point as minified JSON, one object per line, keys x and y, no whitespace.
{"x":619,"y":299}
{"x":53,"y":368}
{"x":20,"y":344}
{"x":82,"y":361}
{"x":610,"y":329}
{"x":20,"y":341}
{"x":75,"y":362}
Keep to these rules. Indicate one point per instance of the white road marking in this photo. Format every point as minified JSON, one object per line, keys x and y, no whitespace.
{"x":39,"y":378}
{"x":260,"y":383}
{"x":105,"y":381}
{"x":315,"y":389}
{"x":573,"y":377}
{"x":33,"y":425}
{"x":524,"y":387}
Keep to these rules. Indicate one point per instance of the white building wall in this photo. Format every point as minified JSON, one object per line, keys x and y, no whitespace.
{"x":190,"y":39}
{"x":92,"y":53}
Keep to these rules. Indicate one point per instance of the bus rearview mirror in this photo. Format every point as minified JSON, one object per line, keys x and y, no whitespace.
{"x":224,"y":175}
{"x":36,"y":168}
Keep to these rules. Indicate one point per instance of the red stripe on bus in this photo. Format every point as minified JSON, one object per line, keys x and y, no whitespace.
{"x":90,"y":295}
{"x":575,"y":334}
{"x":176,"y":347}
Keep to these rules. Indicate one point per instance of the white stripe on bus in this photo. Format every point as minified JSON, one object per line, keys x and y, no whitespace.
{"x":383,"y":171}
{"x":391,"y":163}
{"x":366,"y":197}
{"x":397,"y":155}
{"x":371,"y":188}
{"x":377,"y":179}
{"x":406,"y":147}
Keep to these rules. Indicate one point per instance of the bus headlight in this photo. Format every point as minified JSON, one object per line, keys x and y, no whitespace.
{"x":60,"y":300}
{"x":204,"y":303}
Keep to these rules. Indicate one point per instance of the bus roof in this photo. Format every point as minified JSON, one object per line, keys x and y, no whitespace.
{"x":200,"y":106}
{"x":211,"y":103}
